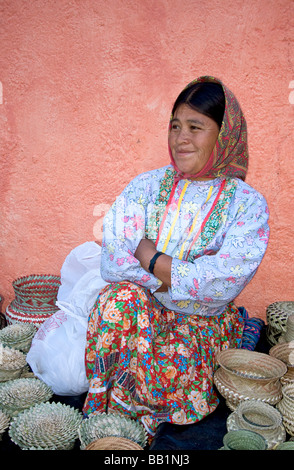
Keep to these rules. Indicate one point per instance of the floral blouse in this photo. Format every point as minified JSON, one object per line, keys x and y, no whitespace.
{"x":216,"y":232}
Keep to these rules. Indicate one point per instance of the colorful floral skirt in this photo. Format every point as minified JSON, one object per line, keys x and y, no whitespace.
{"x":151,"y":363}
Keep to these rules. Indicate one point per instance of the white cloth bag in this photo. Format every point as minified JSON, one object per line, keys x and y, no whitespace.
{"x":57,"y":354}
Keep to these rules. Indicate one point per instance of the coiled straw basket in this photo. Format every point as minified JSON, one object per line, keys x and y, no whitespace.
{"x":259,"y":417}
{"x":244,"y":375}
{"x":36,"y":293}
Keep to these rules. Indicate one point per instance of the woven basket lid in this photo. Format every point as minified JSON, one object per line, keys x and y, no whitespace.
{"x":113,"y":443}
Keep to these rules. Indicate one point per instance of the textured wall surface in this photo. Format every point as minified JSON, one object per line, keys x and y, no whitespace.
{"x":86,"y":92}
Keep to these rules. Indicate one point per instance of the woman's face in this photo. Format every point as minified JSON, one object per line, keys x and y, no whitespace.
{"x":192,"y":138}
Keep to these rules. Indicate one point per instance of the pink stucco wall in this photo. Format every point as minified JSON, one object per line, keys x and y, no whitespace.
{"x":85,"y":97}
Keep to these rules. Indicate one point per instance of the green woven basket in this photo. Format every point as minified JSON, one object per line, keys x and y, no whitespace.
{"x":244,"y":440}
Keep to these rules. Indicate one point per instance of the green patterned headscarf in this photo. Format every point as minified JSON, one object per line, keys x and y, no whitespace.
{"x":230,"y":154}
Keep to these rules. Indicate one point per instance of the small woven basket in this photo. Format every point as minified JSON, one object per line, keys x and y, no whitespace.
{"x":113,"y":443}
{"x":36,"y":293}
{"x":276,"y":315}
{"x":242,"y":439}
{"x":20,"y":394}
{"x":12,"y":363}
{"x":258,"y":414}
{"x":251,"y":364}
{"x":18,"y":336}
{"x":260,"y":417}
{"x":244,"y":375}
{"x":46,"y":426}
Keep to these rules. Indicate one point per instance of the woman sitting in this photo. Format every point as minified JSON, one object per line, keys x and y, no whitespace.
{"x":180,"y":243}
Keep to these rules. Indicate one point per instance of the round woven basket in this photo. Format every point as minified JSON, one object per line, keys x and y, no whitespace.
{"x":258,"y":414}
{"x":18,"y":336}
{"x":251,"y":365}
{"x":12,"y":363}
{"x":20,"y":394}
{"x":260,"y":417}
{"x":276,"y":315}
{"x":46,"y":426}
{"x":36,"y":293}
{"x":14,"y":315}
{"x":113,"y":443}
{"x":236,"y":389}
{"x":243,"y":439}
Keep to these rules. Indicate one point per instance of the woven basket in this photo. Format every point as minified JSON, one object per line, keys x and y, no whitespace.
{"x":46,"y":426}
{"x":243,"y":439}
{"x":12,"y":363}
{"x":36,"y":293}
{"x":19,"y":394}
{"x":236,"y":389}
{"x":251,"y":365}
{"x":276,"y":315}
{"x":17,"y":316}
{"x":18,"y":336}
{"x":113,"y":443}
{"x":259,"y":417}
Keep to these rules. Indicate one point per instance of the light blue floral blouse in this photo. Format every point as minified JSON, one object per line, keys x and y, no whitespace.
{"x":220,"y":263}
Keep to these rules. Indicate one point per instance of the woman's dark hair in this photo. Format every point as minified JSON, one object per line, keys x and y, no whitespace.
{"x":205,"y":97}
